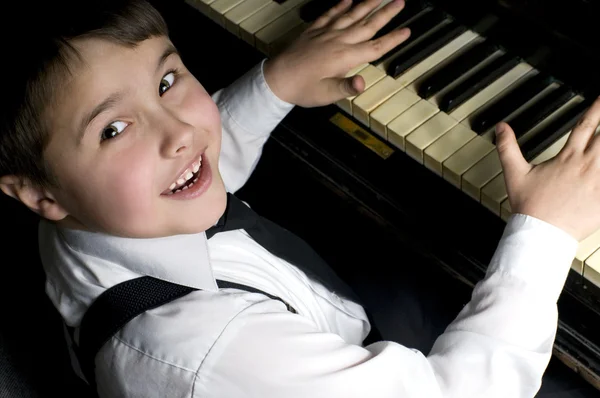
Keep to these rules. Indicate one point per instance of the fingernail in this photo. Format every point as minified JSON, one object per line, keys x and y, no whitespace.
{"x":499,"y":129}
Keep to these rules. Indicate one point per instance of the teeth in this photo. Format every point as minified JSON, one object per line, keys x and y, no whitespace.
{"x":187,"y":175}
{"x":184,"y":188}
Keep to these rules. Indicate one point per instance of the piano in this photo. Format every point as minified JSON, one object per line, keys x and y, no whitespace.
{"x":416,"y":149}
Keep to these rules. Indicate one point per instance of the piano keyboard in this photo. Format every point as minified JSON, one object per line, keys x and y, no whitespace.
{"x":437,"y":96}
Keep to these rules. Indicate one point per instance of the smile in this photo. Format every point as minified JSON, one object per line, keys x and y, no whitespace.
{"x":193,"y":182}
{"x":187,"y":179}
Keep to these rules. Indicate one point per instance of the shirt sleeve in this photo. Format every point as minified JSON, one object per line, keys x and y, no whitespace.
{"x":249,"y":113}
{"x":499,"y":345}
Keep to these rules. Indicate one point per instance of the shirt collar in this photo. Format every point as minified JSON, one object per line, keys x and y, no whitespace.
{"x":80,"y":265}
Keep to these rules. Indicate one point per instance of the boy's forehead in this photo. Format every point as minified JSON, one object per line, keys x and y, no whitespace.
{"x":101,"y":69}
{"x":100,"y":57}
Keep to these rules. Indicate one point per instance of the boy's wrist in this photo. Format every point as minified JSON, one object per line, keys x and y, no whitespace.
{"x":275,"y":81}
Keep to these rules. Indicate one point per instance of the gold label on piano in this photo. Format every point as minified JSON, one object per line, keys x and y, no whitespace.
{"x":362,"y":135}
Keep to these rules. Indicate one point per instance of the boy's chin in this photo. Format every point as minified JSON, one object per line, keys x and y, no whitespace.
{"x":212,"y":209}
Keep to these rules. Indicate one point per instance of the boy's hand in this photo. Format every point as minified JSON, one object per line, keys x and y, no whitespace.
{"x":311,"y":71}
{"x":563,"y":191}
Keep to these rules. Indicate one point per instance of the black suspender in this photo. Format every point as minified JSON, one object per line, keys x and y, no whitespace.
{"x":111,"y":311}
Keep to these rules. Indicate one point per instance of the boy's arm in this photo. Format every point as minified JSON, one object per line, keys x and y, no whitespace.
{"x":310,"y":72}
{"x":249,"y":112}
{"x":498,"y":346}
{"x":501,"y":342}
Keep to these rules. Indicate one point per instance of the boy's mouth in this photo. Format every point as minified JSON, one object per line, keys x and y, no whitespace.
{"x":187,"y":179}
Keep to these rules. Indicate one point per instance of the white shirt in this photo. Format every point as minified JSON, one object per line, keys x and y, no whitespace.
{"x":231,"y":343}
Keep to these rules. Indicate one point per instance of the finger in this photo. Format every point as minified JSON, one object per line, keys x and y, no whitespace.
{"x":513,"y":163}
{"x":584,"y":130}
{"x":336,"y":88}
{"x":374,"y":49}
{"x":355,"y":14}
{"x":357,"y":84}
{"x":368,"y":27}
{"x":333,"y":13}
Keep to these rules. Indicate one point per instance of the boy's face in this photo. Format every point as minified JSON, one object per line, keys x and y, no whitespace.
{"x":128,"y":125}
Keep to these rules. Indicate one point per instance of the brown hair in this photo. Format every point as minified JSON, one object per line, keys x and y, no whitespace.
{"x":38,"y":55}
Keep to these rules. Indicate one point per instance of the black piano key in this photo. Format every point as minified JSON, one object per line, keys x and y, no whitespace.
{"x":554,"y":131}
{"x":418,"y":28}
{"x":456,"y":68}
{"x":477,"y":82}
{"x":411,"y":9}
{"x":425,"y":48}
{"x":510,"y":103}
{"x":539,"y":111}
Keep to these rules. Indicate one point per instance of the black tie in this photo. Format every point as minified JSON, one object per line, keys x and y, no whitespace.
{"x":282,"y":243}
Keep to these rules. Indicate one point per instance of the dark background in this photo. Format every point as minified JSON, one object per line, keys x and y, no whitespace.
{"x":378,"y":264}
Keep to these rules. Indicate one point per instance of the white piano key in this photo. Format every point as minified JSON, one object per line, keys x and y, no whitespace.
{"x":370,"y":99}
{"x":480,"y":174}
{"x":585,"y":249}
{"x":462,"y":160}
{"x":371,"y":75}
{"x":201,"y":5}
{"x":390,"y":109}
{"x":468,"y":120}
{"x":436,"y":99}
{"x":486,"y":169}
{"x":408,"y":121}
{"x":265,"y":16}
{"x":490,"y":92}
{"x":282,"y":42}
{"x":238,"y":14}
{"x":591,"y":268}
{"x":219,"y":7}
{"x":448,"y":144}
{"x":381,"y":93}
{"x":266,"y":37}
{"x":417,"y":141}
{"x":494,"y":193}
{"x":411,"y":76}
{"x":475,"y":150}
{"x":385,"y":62}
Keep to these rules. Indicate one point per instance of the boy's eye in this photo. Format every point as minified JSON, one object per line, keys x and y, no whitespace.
{"x":112,"y":130}
{"x":166,"y":83}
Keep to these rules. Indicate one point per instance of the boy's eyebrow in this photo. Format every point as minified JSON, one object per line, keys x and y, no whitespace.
{"x":108,"y":103}
{"x":170,"y":50}
{"x":112,"y":99}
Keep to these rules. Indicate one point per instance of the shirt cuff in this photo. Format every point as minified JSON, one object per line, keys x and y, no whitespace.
{"x":536,"y":252}
{"x":251,"y":103}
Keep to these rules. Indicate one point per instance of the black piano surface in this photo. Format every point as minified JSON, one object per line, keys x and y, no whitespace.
{"x":401,"y":195}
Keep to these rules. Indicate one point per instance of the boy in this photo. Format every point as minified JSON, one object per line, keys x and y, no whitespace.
{"x":128,"y":160}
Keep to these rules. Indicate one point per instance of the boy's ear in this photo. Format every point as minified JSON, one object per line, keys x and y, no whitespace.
{"x":38,"y":199}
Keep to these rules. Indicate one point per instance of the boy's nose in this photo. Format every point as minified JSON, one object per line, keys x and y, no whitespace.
{"x":177,"y":136}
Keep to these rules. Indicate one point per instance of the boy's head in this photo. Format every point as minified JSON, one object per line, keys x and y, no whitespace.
{"x":100,"y":118}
